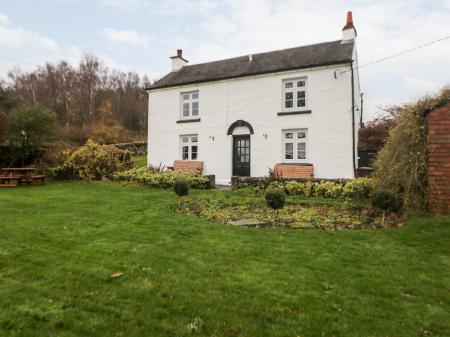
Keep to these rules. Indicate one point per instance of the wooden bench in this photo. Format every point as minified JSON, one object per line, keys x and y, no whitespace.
{"x":19,"y":175}
{"x":290,"y":171}
{"x":35,"y":180}
{"x":8,"y":181}
{"x":188,"y":166}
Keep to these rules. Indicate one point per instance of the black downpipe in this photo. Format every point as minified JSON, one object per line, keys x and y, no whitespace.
{"x":353,"y":120}
{"x":362,"y":104}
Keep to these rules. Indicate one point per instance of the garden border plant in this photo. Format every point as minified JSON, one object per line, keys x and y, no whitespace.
{"x":157,"y":178}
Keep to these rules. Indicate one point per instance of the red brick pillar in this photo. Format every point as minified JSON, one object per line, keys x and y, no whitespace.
{"x":439,"y":159}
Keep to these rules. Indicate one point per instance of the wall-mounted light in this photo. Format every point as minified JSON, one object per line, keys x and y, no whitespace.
{"x":265,"y":135}
{"x":211,"y":137}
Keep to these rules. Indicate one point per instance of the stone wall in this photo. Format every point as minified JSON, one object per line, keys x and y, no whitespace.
{"x":135,"y":148}
{"x":439,"y":158}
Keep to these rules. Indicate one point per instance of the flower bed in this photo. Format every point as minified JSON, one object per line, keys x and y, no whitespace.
{"x":321,"y":214}
{"x":355,"y":188}
{"x":164,"y":179}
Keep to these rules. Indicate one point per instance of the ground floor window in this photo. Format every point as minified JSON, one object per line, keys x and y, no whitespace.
{"x":189,"y":147}
{"x":294,"y":145}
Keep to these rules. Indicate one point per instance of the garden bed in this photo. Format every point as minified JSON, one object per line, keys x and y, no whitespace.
{"x":335,"y":214}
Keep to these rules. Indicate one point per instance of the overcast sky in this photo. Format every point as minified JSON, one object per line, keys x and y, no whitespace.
{"x":140,"y":35}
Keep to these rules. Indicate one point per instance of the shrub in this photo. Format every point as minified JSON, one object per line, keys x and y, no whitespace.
{"x":181,"y":187}
{"x":38,"y":123}
{"x":294,"y":188}
{"x":92,"y":162}
{"x":308,"y":189}
{"x":359,"y":188}
{"x":328,"y":189}
{"x":163,"y":179}
{"x":275,"y":198}
{"x":384,"y":200}
{"x":401,"y":165}
{"x":276,"y":185}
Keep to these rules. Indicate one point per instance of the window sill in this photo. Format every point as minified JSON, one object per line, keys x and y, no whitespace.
{"x":299,"y":112}
{"x":192,"y":120}
{"x":296,"y":163}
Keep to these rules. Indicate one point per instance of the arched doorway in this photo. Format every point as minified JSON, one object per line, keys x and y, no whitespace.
{"x":240,"y":131}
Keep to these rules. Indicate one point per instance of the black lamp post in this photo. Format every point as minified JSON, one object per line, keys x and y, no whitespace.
{"x":23,"y":136}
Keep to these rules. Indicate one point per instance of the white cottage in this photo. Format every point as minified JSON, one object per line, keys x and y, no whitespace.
{"x":298,"y":107}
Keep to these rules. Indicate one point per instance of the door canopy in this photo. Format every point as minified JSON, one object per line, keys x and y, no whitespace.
{"x":238,"y":123}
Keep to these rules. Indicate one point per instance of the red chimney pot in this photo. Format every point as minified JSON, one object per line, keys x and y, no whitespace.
{"x":349,"y":18}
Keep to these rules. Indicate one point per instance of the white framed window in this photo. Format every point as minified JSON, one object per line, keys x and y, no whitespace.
{"x":295,"y":94}
{"x":189,"y":104}
{"x":295,"y":145}
{"x":189,"y":147}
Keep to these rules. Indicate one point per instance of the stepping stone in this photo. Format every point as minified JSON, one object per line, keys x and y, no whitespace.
{"x":247,"y":223}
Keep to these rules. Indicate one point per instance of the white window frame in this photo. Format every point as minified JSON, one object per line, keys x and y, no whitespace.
{"x":295,"y":90}
{"x":192,"y":140}
{"x":193,"y":98}
{"x":295,"y":141}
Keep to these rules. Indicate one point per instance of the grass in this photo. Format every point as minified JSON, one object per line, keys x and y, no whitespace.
{"x":140,"y":161}
{"x":59,"y":245}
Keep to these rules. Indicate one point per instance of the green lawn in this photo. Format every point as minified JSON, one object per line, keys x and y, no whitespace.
{"x":140,"y":161}
{"x":60,"y":243}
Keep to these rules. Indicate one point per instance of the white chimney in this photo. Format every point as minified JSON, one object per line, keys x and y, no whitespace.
{"x":349,"y":31}
{"x":178,"y":61}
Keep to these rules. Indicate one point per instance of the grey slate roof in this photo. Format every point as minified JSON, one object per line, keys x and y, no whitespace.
{"x":315,"y":55}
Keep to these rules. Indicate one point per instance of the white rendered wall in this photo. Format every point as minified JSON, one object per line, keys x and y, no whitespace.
{"x":257,"y":100}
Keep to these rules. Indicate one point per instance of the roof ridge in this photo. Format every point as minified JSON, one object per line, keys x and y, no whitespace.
{"x":300,"y":57}
{"x":264,"y":52}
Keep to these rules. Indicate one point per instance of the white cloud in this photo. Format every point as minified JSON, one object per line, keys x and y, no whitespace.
{"x":13,"y":38}
{"x":384,"y":28}
{"x":3,"y":19}
{"x":129,"y":37}
{"x":125,"y":4}
{"x":166,"y":7}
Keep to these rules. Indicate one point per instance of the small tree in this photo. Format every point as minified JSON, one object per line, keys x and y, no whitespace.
{"x":275,"y":199}
{"x":38,"y":123}
{"x":384,"y":200}
{"x":181,"y":187}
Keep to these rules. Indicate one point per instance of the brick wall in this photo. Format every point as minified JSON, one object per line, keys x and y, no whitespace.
{"x":439,"y":159}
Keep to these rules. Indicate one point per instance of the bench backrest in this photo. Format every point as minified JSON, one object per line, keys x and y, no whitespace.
{"x":188,"y":166}
{"x":294,"y":171}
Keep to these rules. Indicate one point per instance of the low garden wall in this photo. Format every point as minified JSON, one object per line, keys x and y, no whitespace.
{"x":135,"y":148}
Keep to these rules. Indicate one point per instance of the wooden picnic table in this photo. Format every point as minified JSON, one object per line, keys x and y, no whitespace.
{"x":14,"y":176}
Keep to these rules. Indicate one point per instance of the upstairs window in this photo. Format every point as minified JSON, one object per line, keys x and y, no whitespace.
{"x":294,"y":94}
{"x":189,"y":105}
{"x":295,"y":149}
{"x":189,"y":147}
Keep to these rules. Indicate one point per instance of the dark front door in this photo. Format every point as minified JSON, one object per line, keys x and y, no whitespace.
{"x":241,"y":155}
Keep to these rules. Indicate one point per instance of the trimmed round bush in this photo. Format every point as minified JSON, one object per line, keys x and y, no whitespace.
{"x":384,"y":200}
{"x":181,"y":187}
{"x":275,"y":198}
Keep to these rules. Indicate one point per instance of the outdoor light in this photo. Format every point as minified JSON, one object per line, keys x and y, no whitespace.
{"x":23,"y":136}
{"x":211,"y":137}
{"x":265,"y":135}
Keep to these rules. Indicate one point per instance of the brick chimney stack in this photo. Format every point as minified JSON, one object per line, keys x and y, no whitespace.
{"x":349,"y":30}
{"x":178,"y":61}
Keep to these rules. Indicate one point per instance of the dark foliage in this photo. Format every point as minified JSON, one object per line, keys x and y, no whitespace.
{"x":374,"y":134}
{"x":181,"y":187}
{"x":275,"y":198}
{"x":384,"y":200}
{"x":38,"y":123}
